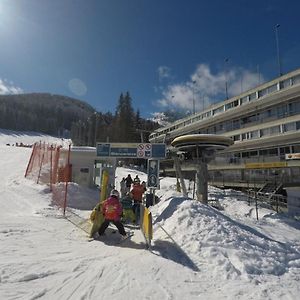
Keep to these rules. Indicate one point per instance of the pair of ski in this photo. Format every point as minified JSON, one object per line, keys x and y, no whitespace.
{"x":105,"y":237}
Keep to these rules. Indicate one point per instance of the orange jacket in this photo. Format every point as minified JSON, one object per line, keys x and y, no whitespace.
{"x":112,"y":209}
{"x":137,"y":192}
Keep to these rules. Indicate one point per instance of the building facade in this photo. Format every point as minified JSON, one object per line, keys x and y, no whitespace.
{"x":263,"y":122}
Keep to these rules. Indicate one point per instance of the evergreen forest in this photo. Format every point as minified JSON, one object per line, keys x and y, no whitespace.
{"x":71,"y":118}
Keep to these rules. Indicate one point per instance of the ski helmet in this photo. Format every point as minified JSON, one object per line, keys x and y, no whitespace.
{"x":115,"y":193}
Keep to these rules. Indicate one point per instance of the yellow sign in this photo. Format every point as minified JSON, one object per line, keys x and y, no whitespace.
{"x":147,"y":224}
{"x":267,"y":165}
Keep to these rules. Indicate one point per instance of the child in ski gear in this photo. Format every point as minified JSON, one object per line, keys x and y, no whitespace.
{"x":112,"y":211}
{"x":137,"y":192}
{"x":128,"y":213}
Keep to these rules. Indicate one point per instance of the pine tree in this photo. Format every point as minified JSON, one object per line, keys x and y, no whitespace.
{"x":124,"y":129}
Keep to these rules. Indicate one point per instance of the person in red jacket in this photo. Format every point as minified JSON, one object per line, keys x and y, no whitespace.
{"x":112,"y":211}
{"x":137,"y":192}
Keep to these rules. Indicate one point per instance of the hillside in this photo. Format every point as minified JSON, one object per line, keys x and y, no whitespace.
{"x":46,"y":113}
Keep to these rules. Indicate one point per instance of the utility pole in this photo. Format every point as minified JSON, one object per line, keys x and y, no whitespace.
{"x":277,"y":48}
{"x":226,"y":83}
{"x":194,"y":110}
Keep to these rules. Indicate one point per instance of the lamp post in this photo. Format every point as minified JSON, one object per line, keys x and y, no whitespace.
{"x":194,"y":111}
{"x":226,"y":84}
{"x":96,"y":127}
{"x":277,"y":48}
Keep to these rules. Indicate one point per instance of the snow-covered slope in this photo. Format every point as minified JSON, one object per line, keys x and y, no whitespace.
{"x":198,"y":252}
{"x":12,"y":137}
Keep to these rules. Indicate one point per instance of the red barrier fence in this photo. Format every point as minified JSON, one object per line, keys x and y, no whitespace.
{"x":50,"y":164}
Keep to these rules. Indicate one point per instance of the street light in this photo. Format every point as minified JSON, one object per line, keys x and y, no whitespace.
{"x":277,"y":47}
{"x":194,"y":111}
{"x":226,"y":87}
{"x":96,"y":127}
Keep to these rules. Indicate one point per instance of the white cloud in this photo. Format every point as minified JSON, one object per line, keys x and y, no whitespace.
{"x":206,"y":87}
{"x":9,"y":88}
{"x":160,"y":118}
{"x":163,"y":72}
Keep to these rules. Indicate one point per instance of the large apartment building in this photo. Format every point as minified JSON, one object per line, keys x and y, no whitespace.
{"x":263,"y":122}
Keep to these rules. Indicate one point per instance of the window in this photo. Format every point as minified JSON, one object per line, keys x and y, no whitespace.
{"x":253,"y":153}
{"x":244,"y":100}
{"x":249,"y":119}
{"x":236,"y":137}
{"x":265,"y":132}
{"x":273,"y":151}
{"x":275,"y":130}
{"x":285,"y":83}
{"x":281,"y":110}
{"x":262,"y":93}
{"x":232,"y":104}
{"x":236,"y":124}
{"x":245,"y":154}
{"x":273,"y":88}
{"x":218,"y":110}
{"x":289,"y":127}
{"x":212,"y":130}
{"x":220,"y":128}
{"x":296,"y":149}
{"x":296,"y":79}
{"x":228,"y":125}
{"x":284,"y":150}
{"x":228,"y":106}
{"x":294,"y":107}
{"x":252,"y":96}
{"x":254,"y":134}
{"x":263,"y":152}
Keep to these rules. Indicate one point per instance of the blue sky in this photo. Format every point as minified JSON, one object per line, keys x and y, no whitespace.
{"x":164,"y":52}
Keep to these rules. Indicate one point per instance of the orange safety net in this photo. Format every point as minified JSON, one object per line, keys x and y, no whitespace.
{"x":50,"y":164}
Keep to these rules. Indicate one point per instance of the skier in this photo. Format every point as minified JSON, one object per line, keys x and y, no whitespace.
{"x":144,"y":185}
{"x":112,"y":211}
{"x":123,"y":187}
{"x":128,"y":213}
{"x":137,"y":192}
{"x":128,"y":182}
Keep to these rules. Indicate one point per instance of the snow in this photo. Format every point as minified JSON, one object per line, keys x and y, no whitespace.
{"x":198,"y":252}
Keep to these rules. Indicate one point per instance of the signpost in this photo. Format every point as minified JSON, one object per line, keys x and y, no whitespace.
{"x":131,"y":150}
{"x":152,"y":152}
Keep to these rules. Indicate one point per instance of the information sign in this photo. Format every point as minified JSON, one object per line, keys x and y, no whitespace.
{"x":131,"y":150}
{"x":153,"y":173}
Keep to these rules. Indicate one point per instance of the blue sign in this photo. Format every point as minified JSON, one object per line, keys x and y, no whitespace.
{"x":158,"y":150}
{"x":153,"y":173}
{"x":131,"y":150}
{"x":103,"y":149}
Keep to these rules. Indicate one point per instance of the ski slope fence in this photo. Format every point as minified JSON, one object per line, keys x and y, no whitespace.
{"x":50,"y":164}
